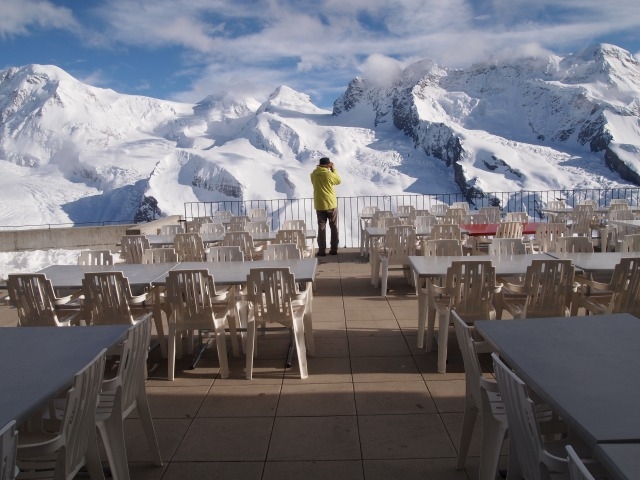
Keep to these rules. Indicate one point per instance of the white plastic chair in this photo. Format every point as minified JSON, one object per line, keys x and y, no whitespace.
{"x":124,"y":394}
{"x":213,"y":227}
{"x":546,"y":291}
{"x":273,"y":297}
{"x":516,"y":217}
{"x":462,"y":205}
{"x":160,"y":255}
{"x":573,"y":245}
{"x":630,"y":243}
{"x":620,"y":295}
{"x":95,"y":257}
{"x":222,"y":214}
{"x":257,"y":213}
{"x":581,"y":221}
{"x":196,"y":305}
{"x":237,"y":223}
{"x":171,"y":229}
{"x":425,"y":221}
{"x":544,"y":239}
{"x":534,"y":458}
{"x":509,"y":229}
{"x":225,"y":254}
{"x":439,"y":209}
{"x":399,"y":244}
{"x":8,"y":448}
{"x":294,"y":225}
{"x":132,"y":248}
{"x":109,"y":301}
{"x":297,"y":237}
{"x":366,"y":211}
{"x":257,"y":227}
{"x":468,"y":289}
{"x":444,"y":231}
{"x":577,"y":468}
{"x":454,"y":216}
{"x":610,"y":234}
{"x":481,"y":396}
{"x":493,"y":214}
{"x":244,"y":240}
{"x":507,"y":246}
{"x":60,"y":455}
{"x":35,"y":301}
{"x":189,"y":247}
{"x":439,"y":248}
{"x":281,"y":251}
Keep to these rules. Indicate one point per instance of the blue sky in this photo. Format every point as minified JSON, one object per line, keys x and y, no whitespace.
{"x":187,"y":49}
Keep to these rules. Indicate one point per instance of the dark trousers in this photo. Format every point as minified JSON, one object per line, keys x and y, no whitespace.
{"x":332,"y":217}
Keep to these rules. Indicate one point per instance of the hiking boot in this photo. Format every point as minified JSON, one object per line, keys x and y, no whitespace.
{"x":333,"y":251}
{"x":321,"y":253}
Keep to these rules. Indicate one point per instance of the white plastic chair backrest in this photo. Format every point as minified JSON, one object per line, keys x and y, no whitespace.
{"x":33,"y":296}
{"x":257,"y":227}
{"x":474,"y":219}
{"x":271,"y":292}
{"x":441,"y":248}
{"x":439,"y":209}
{"x":171,"y":229}
{"x":386,"y":222}
{"x":577,"y":469}
{"x":556,"y":205}
{"x":548,"y":284}
{"x":626,"y":286}
{"x":107,"y":296}
{"x":257,"y":213}
{"x":95,"y":257}
{"x":192,"y":294}
{"x":222,"y":214}
{"x":160,"y":255}
{"x":237,"y":223}
{"x":189,"y":247}
{"x":400,"y":243}
{"x":547,"y":234}
{"x":630,"y":243}
{"x":455,"y":215}
{"x":472,"y":369}
{"x":225,"y":254}
{"x":369,"y":210}
{"x":471,"y":285}
{"x":582,"y":216}
{"x":8,"y":449}
{"x":516,"y":217}
{"x":377,"y":215}
{"x":445,"y":231}
{"x":132,"y":248}
{"x":213,"y":227}
{"x":509,"y":229}
{"x":406,"y":209}
{"x":623,"y":214}
{"x":573,"y":245}
{"x":462,"y":205}
{"x":294,"y":225}
{"x":132,"y":365}
{"x":618,"y":204}
{"x":523,"y":427}
{"x":422,"y":213}
{"x":493,"y":214}
{"x":281,"y":251}
{"x":291,"y":236}
{"x":507,"y":246}
{"x":244,"y":240}
{"x":425,"y":221}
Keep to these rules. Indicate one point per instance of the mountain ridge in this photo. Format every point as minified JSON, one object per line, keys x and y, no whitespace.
{"x":532,"y":123}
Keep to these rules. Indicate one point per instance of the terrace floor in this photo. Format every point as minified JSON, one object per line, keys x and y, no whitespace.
{"x":373,"y":407}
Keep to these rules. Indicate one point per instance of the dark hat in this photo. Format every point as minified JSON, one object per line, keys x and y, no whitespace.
{"x":324,"y":161}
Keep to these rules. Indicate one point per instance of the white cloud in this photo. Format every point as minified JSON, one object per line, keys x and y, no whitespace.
{"x":19,"y":16}
{"x":381,"y":70}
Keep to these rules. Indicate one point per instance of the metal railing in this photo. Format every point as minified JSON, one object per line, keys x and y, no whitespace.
{"x":532,"y":202}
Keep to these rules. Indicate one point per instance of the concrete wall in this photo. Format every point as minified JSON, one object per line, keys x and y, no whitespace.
{"x":76,"y":237}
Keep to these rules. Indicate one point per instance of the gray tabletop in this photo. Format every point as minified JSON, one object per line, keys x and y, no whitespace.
{"x":622,"y":460}
{"x":506,"y":265}
{"x":235,"y":273}
{"x":168,"y":239}
{"x":586,"y":368}
{"x":39,"y":362}
{"x":596,"y":261}
{"x":139,"y":275}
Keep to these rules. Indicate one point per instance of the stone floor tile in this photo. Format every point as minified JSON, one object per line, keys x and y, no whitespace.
{"x":309,"y":400}
{"x":414,"y":469}
{"x":169,"y":433}
{"x":249,"y":400}
{"x":217,"y":470}
{"x":172,"y":402}
{"x":314,"y":470}
{"x":393,"y":398}
{"x":378,"y":346}
{"x":385,"y":369}
{"x":448,"y":395}
{"x":321,"y":370}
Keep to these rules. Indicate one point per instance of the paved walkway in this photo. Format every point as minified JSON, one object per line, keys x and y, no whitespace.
{"x":373,"y":407}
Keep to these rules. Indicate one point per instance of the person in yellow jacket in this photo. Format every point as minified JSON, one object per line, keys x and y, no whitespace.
{"x":324,"y":178}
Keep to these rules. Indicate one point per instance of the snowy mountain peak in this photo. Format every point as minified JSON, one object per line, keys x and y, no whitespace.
{"x":76,"y":153}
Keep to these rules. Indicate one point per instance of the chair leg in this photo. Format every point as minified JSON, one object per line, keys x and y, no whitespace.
{"x":384,"y":267}
{"x":422,"y":315}
{"x":171,"y":354}
{"x":493,"y":435}
{"x":468,"y":424}
{"x":431,"y":326}
{"x":443,"y":339}
{"x":301,"y":349}
{"x":94,"y":467}
{"x":142,"y":405}
{"x":112,"y":433}
{"x":221,"y":346}
{"x":250,"y":348}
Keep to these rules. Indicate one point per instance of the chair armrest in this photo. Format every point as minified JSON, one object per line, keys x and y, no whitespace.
{"x":138,"y":299}
{"x":513,"y":288}
{"x":601,"y":287}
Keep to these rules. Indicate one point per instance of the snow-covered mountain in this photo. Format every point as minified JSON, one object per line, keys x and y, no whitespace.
{"x":75,"y":153}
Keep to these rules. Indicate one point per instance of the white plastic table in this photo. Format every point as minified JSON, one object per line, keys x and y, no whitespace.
{"x":40,"y":362}
{"x":622,"y":460}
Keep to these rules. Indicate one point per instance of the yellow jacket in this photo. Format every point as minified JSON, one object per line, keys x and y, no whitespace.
{"x":323,"y":181}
